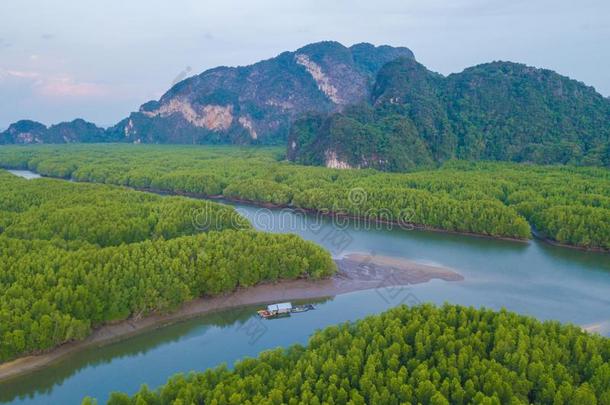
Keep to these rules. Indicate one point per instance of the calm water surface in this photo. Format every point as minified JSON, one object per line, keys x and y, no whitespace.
{"x":535,"y":279}
{"x":26,"y":174}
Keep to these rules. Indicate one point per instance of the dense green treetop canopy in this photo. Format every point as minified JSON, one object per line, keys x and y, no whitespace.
{"x":565,"y":203}
{"x":102,"y":215}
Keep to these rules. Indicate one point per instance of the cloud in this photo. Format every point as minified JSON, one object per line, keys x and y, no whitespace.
{"x":22,"y":74}
{"x":68,"y":87}
{"x":62,"y":86}
{"x":47,"y":36}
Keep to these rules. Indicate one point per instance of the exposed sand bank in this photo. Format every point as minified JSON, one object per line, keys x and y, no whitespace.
{"x":355,"y":272}
{"x":600,"y":328}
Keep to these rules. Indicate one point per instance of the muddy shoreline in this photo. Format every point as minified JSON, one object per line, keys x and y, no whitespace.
{"x":356,"y":272}
{"x":552,"y":242}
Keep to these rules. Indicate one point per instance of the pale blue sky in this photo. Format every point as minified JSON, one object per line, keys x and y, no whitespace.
{"x":99,"y":60}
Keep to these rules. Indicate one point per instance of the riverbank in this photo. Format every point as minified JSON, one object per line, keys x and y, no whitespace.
{"x":543,"y":238}
{"x":600,"y":328}
{"x":356,"y":272}
{"x":370,"y":222}
{"x":367,"y":221}
{"x":331,"y":214}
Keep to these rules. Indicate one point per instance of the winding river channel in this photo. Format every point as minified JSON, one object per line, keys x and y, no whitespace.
{"x":534,"y":278}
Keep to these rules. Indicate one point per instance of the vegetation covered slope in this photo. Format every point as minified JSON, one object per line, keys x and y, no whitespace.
{"x":32,"y":132}
{"x":420,"y":355}
{"x":568,"y":204}
{"x":75,"y":256}
{"x":496,"y":111}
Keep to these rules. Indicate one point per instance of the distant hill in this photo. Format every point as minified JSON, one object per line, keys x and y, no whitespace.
{"x":494,"y":111}
{"x":32,"y":132}
{"x":257,"y":103}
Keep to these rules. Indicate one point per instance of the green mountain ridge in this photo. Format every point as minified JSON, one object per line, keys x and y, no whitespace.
{"x":495,"y":111}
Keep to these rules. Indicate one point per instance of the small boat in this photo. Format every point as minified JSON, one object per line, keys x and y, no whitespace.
{"x":282,"y":310}
{"x":276,"y":310}
{"x":302,"y":308}
{"x":263,"y":313}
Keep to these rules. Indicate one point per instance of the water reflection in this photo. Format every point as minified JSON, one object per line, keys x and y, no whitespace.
{"x":26,"y":174}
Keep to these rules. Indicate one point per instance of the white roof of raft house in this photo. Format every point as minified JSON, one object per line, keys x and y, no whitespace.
{"x":282,"y":307}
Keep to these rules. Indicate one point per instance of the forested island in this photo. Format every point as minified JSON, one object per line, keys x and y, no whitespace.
{"x":76,"y":256}
{"x":566,"y":204}
{"x":426,"y":354}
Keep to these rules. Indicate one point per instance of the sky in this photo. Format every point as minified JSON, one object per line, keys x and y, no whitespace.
{"x":100,"y":60}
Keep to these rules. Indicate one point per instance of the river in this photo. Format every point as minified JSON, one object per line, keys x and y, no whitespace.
{"x":534,"y":278}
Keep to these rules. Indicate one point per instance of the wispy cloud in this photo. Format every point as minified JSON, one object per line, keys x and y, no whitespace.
{"x":56,"y":86}
{"x":23,"y":74}
{"x":68,"y":87}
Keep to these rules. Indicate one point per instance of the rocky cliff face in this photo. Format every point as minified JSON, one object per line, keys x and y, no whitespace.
{"x":258,"y":103}
{"x":31,"y":132}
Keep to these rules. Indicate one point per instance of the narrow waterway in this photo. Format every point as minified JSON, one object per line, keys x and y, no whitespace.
{"x":536,"y":279}
{"x":26,"y":174}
